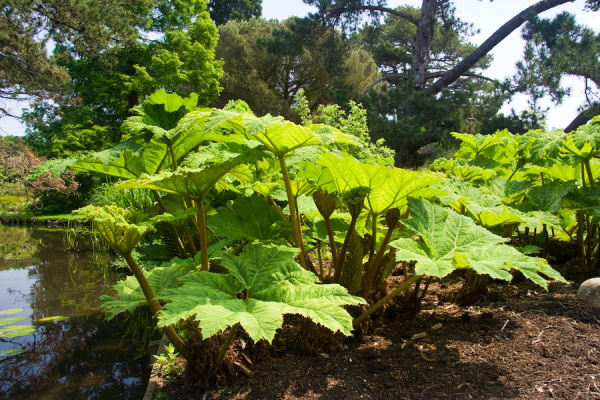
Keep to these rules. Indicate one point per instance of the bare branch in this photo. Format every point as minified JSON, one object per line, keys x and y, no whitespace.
{"x":491,"y":42}
{"x":429,"y":76}
{"x":583,"y":117}
{"x":384,"y":78}
{"x":391,"y":11}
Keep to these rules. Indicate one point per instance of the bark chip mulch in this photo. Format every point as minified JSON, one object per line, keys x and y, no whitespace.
{"x":517,"y":342}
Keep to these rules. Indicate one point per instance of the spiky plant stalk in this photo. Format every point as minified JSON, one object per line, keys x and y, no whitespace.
{"x":326,"y":203}
{"x":155,"y":306}
{"x":355,"y":208}
{"x":392,"y":216}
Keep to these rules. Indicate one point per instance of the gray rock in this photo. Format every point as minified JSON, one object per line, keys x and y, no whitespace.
{"x":589,"y":292}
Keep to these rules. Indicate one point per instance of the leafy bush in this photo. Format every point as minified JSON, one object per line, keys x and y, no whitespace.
{"x":234,"y":190}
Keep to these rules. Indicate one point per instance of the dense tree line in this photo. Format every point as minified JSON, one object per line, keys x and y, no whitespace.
{"x":414,"y":69}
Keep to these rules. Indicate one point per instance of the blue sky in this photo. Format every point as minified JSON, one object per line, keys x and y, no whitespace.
{"x":485,"y":15}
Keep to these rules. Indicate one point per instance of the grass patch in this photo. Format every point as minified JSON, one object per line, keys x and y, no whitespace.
{"x":12,"y":204}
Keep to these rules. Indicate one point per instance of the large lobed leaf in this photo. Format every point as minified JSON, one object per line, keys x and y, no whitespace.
{"x":197,"y":182}
{"x":388,"y":187}
{"x":539,"y":144}
{"x":451,"y":241}
{"x":262,"y":285}
{"x":129,"y":294}
{"x":250,"y":218}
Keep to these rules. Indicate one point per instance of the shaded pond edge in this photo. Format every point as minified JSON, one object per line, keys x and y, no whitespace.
{"x":153,"y":381}
{"x":43,"y":222}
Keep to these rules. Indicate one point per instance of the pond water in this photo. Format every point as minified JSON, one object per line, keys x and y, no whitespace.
{"x":81,"y":357}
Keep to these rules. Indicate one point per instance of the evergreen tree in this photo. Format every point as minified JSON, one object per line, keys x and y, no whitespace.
{"x":268,"y":62}
{"x":223,"y":11}
{"x":555,"y":48}
{"x":27,"y":27}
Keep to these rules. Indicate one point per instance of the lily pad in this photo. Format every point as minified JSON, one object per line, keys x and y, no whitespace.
{"x":15,"y":331}
{"x":9,"y":321}
{"x":53,"y":319}
{"x":11,"y":311}
{"x":13,"y":351}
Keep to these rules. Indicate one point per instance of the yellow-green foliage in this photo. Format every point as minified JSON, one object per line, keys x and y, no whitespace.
{"x":12,"y":204}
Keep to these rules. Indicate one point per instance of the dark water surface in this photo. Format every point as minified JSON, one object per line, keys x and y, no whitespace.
{"x":82,"y":357}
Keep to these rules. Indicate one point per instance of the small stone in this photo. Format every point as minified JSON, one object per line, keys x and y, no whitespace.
{"x":419,"y":335}
{"x":589,"y":292}
{"x":324,"y":355}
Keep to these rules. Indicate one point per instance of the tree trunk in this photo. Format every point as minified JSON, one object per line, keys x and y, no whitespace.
{"x":422,"y":44}
{"x":583,"y":117}
{"x":491,"y":42}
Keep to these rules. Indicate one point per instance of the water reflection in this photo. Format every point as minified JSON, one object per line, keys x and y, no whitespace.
{"x":82,"y":357}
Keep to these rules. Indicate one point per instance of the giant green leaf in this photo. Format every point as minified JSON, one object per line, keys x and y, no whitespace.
{"x":150,"y":151}
{"x":584,"y":143}
{"x":488,"y":210}
{"x":282,"y":139}
{"x":129,"y":294}
{"x":549,"y":196}
{"x":488,"y":150}
{"x":460,"y":194}
{"x":56,"y":167}
{"x":451,"y":241}
{"x":558,"y":170}
{"x":197,"y":182}
{"x":160,"y":110}
{"x":539,"y":144}
{"x":129,"y":159}
{"x":388,"y":187}
{"x":250,"y":218}
{"x":462,"y":169}
{"x":262,"y":285}
{"x":509,"y":192}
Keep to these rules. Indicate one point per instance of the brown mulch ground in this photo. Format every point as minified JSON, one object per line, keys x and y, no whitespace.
{"x":516,"y":342}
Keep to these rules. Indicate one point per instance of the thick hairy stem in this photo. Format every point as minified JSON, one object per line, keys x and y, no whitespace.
{"x":588,"y":168}
{"x":580,"y":228}
{"x":514,"y":172}
{"x":374,"y":266}
{"x":588,"y":249}
{"x":190,"y":240}
{"x":296,"y":229}
{"x":321,"y":276}
{"x":228,"y":340}
{"x":202,"y":231}
{"x":334,"y":255}
{"x":194,"y":221}
{"x":424,"y":291}
{"x":154,"y":305}
{"x":546,"y":240}
{"x":278,"y":210}
{"x":373,"y":238}
{"x":387,"y":298}
{"x":342,"y":253}
{"x":415,"y":293}
{"x":173,"y":158}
